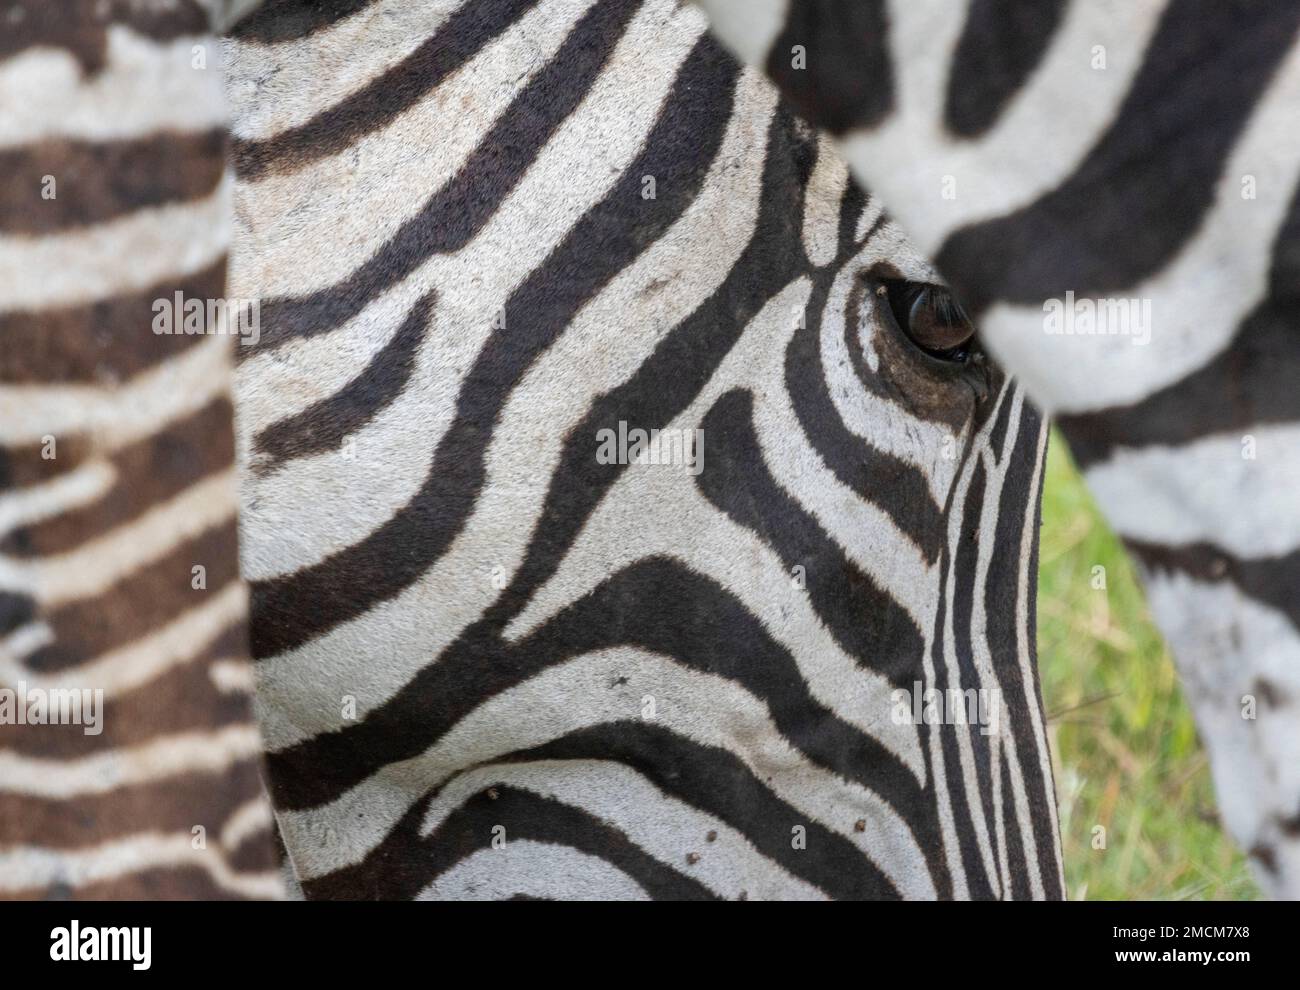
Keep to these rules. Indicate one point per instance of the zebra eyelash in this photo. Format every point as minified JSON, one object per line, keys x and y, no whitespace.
{"x":913,"y":302}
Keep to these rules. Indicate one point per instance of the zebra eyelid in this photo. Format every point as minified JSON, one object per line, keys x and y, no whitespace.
{"x":951,"y":342}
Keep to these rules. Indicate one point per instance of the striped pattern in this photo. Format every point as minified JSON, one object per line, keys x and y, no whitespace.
{"x":1117,"y":151}
{"x":490,"y":665}
{"x":117,"y":468}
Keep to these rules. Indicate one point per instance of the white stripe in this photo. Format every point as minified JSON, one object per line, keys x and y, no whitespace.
{"x":232,"y":676}
{"x":282,"y":221}
{"x":999,"y":813}
{"x":207,"y":753}
{"x":144,"y":87}
{"x":116,"y":416}
{"x":26,"y":639}
{"x":324,"y":67}
{"x":1207,"y":491}
{"x":97,"y":565}
{"x":64,"y":493}
{"x":25,"y":868}
{"x":534,"y":869}
{"x":176,"y":643}
{"x":826,"y":188}
{"x":249,"y":819}
{"x":116,"y":257}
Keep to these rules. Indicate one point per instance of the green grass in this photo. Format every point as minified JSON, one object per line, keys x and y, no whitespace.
{"x":1126,"y":752}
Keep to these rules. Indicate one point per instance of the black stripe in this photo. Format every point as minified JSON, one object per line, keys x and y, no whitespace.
{"x":998,"y":434}
{"x":1001,"y":598}
{"x":291,"y":610}
{"x":96,"y":182}
{"x":80,"y":27}
{"x":456,"y":212}
{"x":406,"y":862}
{"x":1001,"y":43}
{"x":848,"y":80}
{"x":852,"y":205}
{"x":899,"y":489}
{"x":965,"y":571}
{"x":101,"y":342}
{"x":382,"y":99}
{"x":1275,"y":581}
{"x":1250,"y":384}
{"x":324,"y":425}
{"x":862,"y":617}
{"x":277,"y":21}
{"x":16,"y":610}
{"x":140,"y":604}
{"x":1145,"y":187}
{"x":1016,"y":864}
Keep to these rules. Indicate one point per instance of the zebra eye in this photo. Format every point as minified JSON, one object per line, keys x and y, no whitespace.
{"x":932,"y":319}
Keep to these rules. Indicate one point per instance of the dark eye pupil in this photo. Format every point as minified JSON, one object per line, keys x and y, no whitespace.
{"x":933,"y":320}
{"x":937,"y":326}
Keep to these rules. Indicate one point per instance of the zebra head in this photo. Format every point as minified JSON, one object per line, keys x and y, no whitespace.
{"x":676,"y":496}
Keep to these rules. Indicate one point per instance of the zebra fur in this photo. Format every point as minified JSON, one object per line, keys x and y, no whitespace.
{"x":1169,"y":172}
{"x":118,"y":565}
{"x":682,"y":310}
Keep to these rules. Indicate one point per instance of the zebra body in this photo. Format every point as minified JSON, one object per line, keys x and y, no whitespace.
{"x":1108,"y":152}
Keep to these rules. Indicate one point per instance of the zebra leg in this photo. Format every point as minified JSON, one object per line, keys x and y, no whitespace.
{"x":129,"y":757}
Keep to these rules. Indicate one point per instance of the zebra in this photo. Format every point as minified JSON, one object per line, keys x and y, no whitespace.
{"x":1107,"y":151}
{"x":636,"y":680}
{"x":358,"y":403}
